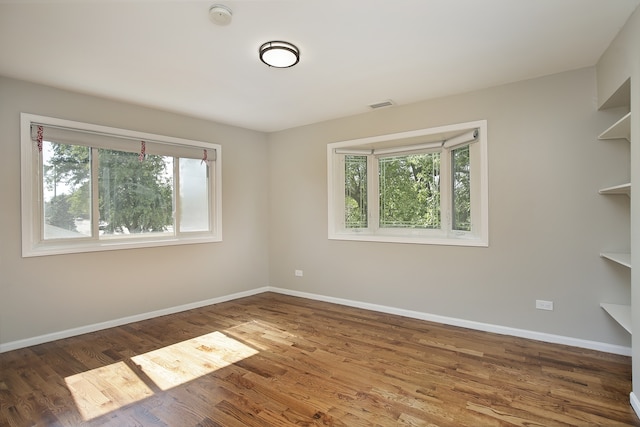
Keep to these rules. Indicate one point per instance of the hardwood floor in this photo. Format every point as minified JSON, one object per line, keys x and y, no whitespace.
{"x":274,"y":360}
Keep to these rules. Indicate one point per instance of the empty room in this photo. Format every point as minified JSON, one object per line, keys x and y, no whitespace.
{"x":338,"y":213}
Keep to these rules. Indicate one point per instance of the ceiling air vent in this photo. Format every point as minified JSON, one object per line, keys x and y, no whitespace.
{"x":383,"y":104}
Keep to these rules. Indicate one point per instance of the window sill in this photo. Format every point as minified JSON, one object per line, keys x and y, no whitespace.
{"x":110,"y":245}
{"x":465,"y":240}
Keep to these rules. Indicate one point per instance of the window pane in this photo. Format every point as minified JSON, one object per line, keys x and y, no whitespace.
{"x":410,"y":191}
{"x":194,"y":195}
{"x":66,"y":191}
{"x":461,"y":189}
{"x":135,"y":196}
{"x":355,"y":192}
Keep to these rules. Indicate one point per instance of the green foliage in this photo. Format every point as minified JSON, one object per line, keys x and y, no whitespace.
{"x":69,"y":164}
{"x":58,"y":213}
{"x":80,"y":201}
{"x":134,"y":195}
{"x":356,"y":212}
{"x":410,"y":191}
{"x":66,"y":170}
{"x":461,"y":189}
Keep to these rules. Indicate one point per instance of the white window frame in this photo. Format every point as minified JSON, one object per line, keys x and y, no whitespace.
{"x":443,"y":139}
{"x":33,"y":243}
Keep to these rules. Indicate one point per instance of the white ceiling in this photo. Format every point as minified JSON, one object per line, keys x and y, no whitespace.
{"x":170,"y":55}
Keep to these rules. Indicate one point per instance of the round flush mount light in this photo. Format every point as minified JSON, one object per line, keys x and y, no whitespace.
{"x":220,"y":14}
{"x":279,"y":54}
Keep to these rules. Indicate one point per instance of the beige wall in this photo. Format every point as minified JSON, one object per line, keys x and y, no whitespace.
{"x":49,"y":294}
{"x":547,"y":222}
{"x":619,"y":60}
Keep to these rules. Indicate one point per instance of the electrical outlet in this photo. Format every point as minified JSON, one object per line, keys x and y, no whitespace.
{"x":298,"y":273}
{"x":544,"y":305}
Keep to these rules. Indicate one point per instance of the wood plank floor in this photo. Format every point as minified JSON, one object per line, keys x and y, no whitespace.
{"x":274,"y":360}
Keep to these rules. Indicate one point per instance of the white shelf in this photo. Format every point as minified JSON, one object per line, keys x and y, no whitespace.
{"x":617,"y":189}
{"x":619,"y":130}
{"x":620,"y":313}
{"x":620,"y":258}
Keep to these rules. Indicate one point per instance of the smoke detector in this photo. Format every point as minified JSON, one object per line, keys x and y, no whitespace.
{"x":220,"y":14}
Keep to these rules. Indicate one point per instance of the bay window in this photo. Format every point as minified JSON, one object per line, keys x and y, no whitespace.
{"x":427,"y":186}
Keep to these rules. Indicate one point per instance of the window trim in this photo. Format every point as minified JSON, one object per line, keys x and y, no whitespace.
{"x":420,"y":140}
{"x":32,"y":242}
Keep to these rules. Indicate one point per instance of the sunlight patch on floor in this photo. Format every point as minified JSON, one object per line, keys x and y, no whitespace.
{"x":105,"y":389}
{"x":183,"y":362}
{"x":102,"y":390}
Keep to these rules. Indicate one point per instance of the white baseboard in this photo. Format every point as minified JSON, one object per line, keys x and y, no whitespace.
{"x":539,"y":336}
{"x":635,"y":403}
{"x":14,"y":345}
{"x":469,"y":324}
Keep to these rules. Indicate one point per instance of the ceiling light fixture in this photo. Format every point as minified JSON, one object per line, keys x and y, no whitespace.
{"x":279,"y":54}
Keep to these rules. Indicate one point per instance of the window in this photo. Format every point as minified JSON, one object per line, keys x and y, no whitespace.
{"x":427,"y":186}
{"x":89,"y":188}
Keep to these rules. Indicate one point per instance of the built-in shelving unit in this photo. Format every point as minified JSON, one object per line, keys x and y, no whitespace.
{"x":621,"y":313}
{"x":621,"y":129}
{"x":618,"y":81}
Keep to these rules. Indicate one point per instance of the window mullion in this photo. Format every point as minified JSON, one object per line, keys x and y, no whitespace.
{"x":37,"y":197}
{"x":340,"y":189}
{"x":95,"y":193}
{"x":176,"y":195}
{"x":446,"y":190}
{"x":475,"y":184}
{"x":373,"y":195}
{"x":210,"y":194}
